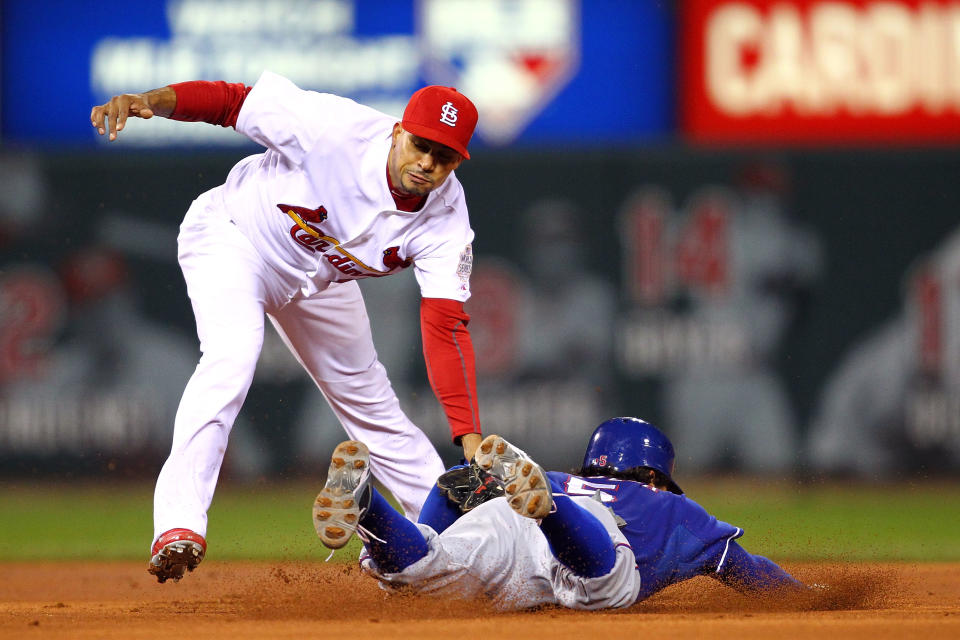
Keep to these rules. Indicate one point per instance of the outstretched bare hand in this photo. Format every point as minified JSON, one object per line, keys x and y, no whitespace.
{"x":112,"y":116}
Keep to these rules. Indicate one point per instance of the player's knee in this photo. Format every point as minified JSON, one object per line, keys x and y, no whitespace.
{"x":234,"y":360}
{"x":371,"y":382}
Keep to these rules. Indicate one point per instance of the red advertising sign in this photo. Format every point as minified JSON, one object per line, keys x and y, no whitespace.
{"x":821,"y":71}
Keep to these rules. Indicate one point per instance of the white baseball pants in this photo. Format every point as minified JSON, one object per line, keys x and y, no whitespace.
{"x":231,"y":289}
{"x":491,"y":552}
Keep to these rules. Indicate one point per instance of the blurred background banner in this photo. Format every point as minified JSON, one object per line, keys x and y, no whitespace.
{"x":821,"y":71}
{"x":541,"y":71}
{"x":736,"y":219}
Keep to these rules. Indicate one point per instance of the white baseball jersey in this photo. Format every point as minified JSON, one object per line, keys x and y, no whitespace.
{"x":325,"y":163}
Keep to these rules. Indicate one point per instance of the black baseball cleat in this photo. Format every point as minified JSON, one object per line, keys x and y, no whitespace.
{"x":525,"y":483}
{"x":337,"y":509}
{"x":175,"y":553}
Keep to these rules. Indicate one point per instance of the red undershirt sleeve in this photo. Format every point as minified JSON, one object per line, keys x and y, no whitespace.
{"x":451,"y":366}
{"x":214,"y":102}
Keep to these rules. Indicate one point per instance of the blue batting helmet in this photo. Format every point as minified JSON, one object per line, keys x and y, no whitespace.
{"x":620,"y":444}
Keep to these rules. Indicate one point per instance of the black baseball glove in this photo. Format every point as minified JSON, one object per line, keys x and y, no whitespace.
{"x":469,"y":486}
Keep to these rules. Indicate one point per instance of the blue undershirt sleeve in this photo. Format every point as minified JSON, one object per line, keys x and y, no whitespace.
{"x":749,"y":573}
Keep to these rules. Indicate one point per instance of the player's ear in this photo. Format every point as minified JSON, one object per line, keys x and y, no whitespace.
{"x":397,"y":130}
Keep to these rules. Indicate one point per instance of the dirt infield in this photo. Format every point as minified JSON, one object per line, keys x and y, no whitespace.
{"x":239,"y":601}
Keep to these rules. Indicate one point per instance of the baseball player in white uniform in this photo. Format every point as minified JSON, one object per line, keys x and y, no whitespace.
{"x":341,"y":192}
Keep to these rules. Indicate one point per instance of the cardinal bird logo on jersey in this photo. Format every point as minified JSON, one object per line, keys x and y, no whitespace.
{"x":392,"y":259}
{"x":307,"y":215}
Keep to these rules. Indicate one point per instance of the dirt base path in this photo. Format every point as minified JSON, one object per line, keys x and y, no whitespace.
{"x":234,"y":601}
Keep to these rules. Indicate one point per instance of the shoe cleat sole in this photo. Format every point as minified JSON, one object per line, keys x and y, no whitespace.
{"x":336,"y":511}
{"x":527,"y":488}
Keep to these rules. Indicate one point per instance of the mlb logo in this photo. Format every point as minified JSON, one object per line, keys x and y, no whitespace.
{"x":510,"y":57}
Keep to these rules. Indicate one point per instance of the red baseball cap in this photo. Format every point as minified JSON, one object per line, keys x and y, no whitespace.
{"x":443,"y":115}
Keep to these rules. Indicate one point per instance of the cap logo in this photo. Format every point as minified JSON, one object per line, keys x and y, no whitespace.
{"x":448,"y":114}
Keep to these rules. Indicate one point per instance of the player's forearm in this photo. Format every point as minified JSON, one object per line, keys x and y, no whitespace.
{"x":162,"y":101}
{"x":749,"y":573}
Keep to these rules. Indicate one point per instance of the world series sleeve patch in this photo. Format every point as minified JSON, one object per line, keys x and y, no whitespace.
{"x":465,"y":267}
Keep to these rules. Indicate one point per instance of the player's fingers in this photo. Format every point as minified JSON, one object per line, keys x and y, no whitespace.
{"x":112,"y":113}
{"x":112,"y":116}
{"x":123,"y":111}
{"x":132,"y":104}
{"x":96,"y":118}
